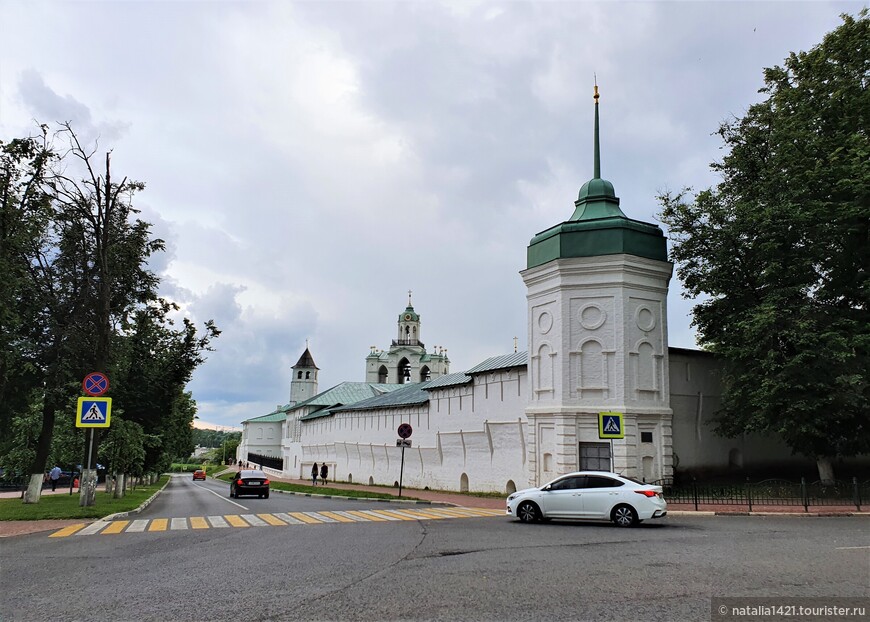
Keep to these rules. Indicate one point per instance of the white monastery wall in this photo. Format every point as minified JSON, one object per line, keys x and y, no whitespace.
{"x":467,"y":437}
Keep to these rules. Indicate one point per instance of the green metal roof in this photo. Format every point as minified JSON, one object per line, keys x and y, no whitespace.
{"x":598,"y":226}
{"x":409,"y":315}
{"x":342,"y":394}
{"x":278,"y":415}
{"x":505,"y":361}
{"x":408,"y":395}
{"x":450,"y":380}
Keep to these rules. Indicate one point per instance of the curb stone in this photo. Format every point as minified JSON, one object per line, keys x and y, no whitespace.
{"x":314,"y":494}
{"x":144,"y":505}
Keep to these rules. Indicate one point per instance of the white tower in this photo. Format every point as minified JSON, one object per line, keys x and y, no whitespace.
{"x":597,"y":289}
{"x":303,"y":384}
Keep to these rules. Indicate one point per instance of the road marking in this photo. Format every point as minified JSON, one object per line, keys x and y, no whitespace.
{"x":280,"y":519}
{"x":92,"y":528}
{"x":338,"y":517}
{"x":235,"y":520}
{"x":851,"y":548}
{"x":116,"y":526}
{"x":67,"y":531}
{"x":393,"y":514}
{"x":198,"y":522}
{"x":303,"y":517}
{"x":352,"y":517}
{"x":427,"y":514}
{"x":253,"y":520}
{"x":219,"y":496}
{"x":272,"y":520}
{"x":362,"y":514}
{"x":320,"y":517}
{"x":372,"y":515}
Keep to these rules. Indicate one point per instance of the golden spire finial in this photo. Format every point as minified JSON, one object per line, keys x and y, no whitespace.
{"x":595,"y":79}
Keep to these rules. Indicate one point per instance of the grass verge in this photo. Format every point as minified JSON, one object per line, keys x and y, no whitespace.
{"x":56,"y":507}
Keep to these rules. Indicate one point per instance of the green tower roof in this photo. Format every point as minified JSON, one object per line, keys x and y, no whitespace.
{"x":409,"y":315}
{"x":598,"y":226}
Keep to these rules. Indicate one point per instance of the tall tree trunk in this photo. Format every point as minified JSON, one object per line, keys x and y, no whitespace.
{"x":43,"y":445}
{"x":826,"y":469}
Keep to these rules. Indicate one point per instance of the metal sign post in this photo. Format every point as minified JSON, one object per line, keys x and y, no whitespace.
{"x":92,"y":412}
{"x":404,"y":432}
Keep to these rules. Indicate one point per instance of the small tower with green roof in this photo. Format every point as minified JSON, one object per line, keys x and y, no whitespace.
{"x":597,"y":287}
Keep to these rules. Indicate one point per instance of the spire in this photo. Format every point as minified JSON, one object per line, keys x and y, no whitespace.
{"x":306,"y":360}
{"x":597,"y":170}
{"x":597,"y":198}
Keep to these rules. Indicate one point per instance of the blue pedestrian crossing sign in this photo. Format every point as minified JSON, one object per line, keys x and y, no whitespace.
{"x":610,"y":425}
{"x":94,"y":412}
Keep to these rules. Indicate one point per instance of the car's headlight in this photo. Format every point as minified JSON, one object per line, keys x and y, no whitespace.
{"x":512,"y":497}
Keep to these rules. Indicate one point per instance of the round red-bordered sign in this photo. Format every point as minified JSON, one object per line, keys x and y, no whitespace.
{"x":95,"y":384}
{"x":405,"y":430}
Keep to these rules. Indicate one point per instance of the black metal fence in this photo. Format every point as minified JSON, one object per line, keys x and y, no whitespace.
{"x":769,"y":492}
{"x":267,"y":461}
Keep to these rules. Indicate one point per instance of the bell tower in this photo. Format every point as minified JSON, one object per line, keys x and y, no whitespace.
{"x":409,"y":326}
{"x":303,"y":384}
{"x":597,"y":287}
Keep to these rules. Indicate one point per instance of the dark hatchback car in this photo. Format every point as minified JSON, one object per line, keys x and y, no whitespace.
{"x":250,"y":483}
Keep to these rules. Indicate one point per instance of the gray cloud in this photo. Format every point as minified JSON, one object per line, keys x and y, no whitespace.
{"x":308,"y":163}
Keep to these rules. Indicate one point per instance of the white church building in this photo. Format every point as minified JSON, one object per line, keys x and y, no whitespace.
{"x":597,"y":287}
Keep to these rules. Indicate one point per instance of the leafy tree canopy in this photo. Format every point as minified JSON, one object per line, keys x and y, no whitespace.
{"x":779,"y":252}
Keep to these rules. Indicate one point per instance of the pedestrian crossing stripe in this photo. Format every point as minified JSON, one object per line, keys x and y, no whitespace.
{"x":277,"y":519}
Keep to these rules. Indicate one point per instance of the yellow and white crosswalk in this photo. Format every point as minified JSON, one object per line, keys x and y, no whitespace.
{"x":277,"y":519}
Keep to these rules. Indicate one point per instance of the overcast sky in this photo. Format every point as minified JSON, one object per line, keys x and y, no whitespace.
{"x":309,"y":163}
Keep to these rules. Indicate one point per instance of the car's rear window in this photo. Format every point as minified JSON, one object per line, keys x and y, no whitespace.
{"x":253,"y":474}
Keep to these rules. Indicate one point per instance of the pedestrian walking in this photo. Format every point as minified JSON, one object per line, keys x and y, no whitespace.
{"x":324,"y":471}
{"x":314,"y":473}
{"x":54,"y":475}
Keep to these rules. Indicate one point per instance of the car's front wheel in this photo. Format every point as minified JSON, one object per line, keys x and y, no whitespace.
{"x":528,"y":512}
{"x":624,"y":516}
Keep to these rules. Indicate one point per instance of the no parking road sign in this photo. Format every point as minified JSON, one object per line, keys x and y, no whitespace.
{"x":94,"y":412}
{"x":95,"y":384}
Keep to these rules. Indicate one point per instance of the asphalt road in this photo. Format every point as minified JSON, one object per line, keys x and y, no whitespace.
{"x":485,"y":568}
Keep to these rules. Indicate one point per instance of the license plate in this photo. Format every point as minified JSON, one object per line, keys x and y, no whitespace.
{"x":257,"y":483}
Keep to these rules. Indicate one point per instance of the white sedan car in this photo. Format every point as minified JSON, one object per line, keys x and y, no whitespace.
{"x":589,"y":495}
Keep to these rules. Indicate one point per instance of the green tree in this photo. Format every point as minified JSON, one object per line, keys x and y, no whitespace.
{"x":779,"y":251}
{"x":25,"y":216}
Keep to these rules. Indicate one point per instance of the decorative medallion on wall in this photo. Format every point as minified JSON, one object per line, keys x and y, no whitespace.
{"x":592,"y":316}
{"x":545,"y":322}
{"x":645,"y":319}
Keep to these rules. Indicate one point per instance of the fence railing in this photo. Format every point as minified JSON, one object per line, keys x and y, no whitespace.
{"x":769,"y":492}
{"x":268,"y":461}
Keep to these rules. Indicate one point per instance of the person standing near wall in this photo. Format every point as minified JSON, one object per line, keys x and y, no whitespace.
{"x":324,"y":472}
{"x":314,"y":475}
